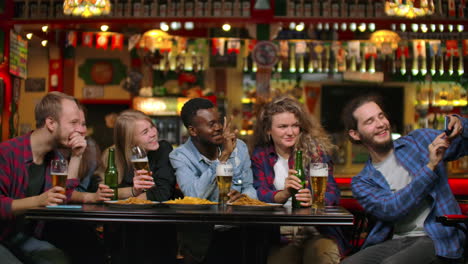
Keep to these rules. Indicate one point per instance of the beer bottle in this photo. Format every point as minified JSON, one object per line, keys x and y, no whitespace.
{"x":111,"y":176}
{"x":301,"y":175}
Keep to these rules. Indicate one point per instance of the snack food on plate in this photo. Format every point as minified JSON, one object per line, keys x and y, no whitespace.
{"x":190,"y":200}
{"x":134,"y":200}
{"x":246,"y":200}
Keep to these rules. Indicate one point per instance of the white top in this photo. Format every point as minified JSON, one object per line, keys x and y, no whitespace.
{"x":397,"y":178}
{"x":281,"y":169}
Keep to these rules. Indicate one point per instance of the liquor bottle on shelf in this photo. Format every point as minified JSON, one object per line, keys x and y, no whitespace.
{"x":291,"y":9}
{"x":154,"y":8}
{"x":245,"y":8}
{"x":236,"y":8}
{"x":307,"y":9}
{"x":189,"y":11}
{"x":227,"y":8}
{"x":208,"y":8}
{"x":217,"y":8}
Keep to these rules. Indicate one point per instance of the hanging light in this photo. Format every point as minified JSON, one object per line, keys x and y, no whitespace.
{"x":86,"y":8}
{"x":408,"y":9}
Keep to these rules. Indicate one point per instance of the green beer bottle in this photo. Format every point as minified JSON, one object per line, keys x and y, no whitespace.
{"x":111,"y":177}
{"x":300,"y":174}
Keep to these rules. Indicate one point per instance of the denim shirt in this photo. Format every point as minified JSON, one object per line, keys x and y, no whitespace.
{"x":196,"y":175}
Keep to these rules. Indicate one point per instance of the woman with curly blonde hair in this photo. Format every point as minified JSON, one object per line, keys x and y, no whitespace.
{"x":284,"y":126}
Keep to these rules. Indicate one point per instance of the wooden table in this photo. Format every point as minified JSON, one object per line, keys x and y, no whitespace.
{"x":331,"y":216}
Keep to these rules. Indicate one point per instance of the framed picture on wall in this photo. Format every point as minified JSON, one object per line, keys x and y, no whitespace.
{"x":35,"y":85}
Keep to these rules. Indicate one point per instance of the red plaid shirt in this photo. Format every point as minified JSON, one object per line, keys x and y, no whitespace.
{"x":15,"y":159}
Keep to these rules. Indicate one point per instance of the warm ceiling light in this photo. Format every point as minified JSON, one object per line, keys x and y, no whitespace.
{"x":164,"y":26}
{"x":44,"y":43}
{"x":29,"y":35}
{"x":189,"y":25}
{"x":403,"y":27}
{"x":300,"y":26}
{"x":441,"y":27}
{"x":86,"y":8}
{"x":45,"y":28}
{"x":175,"y":25}
{"x":319,"y":26}
{"x":226,"y":27}
{"x":336,"y":26}
{"x":344,"y":26}
{"x":385,"y":36}
{"x":408,"y":8}
{"x":450,"y":27}
{"x":362,"y":27}
{"x":423,"y":28}
{"x":104,"y":28}
{"x":292,"y":26}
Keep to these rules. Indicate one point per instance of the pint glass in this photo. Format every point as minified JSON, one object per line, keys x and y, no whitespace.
{"x":139,"y":159}
{"x":224,"y":173}
{"x":318,"y":173}
{"x":59,"y":173}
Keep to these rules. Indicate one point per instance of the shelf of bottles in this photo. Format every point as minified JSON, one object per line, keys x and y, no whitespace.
{"x":50,"y":9}
{"x":434,"y":101}
{"x":401,"y":64}
{"x":444,"y":9}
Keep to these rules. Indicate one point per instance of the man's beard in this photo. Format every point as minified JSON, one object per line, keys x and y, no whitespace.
{"x":379,"y":147}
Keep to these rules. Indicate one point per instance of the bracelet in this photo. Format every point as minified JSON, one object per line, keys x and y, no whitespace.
{"x":133,"y":194}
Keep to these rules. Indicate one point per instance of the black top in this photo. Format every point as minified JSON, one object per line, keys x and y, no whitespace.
{"x":36,"y":179}
{"x":163,"y":174}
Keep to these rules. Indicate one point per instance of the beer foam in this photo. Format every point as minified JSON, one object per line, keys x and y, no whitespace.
{"x":140,"y":160}
{"x":323,"y":172}
{"x":224,"y":170}
{"x":59,"y":173}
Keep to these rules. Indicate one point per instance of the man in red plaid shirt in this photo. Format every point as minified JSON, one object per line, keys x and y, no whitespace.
{"x":25,"y":180}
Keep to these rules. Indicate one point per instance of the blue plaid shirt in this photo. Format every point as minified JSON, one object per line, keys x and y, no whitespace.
{"x":374,"y":194}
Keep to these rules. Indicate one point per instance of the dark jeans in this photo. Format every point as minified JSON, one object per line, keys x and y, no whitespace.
{"x":201,"y":243}
{"x":79,"y":240}
{"x":22,"y":248}
{"x":413,"y":250}
{"x":141,"y":243}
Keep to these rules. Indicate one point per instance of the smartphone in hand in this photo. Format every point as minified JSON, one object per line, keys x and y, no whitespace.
{"x":447,"y":130}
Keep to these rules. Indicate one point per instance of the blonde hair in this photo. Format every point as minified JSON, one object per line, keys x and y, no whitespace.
{"x":312,"y":137}
{"x":124,"y":137}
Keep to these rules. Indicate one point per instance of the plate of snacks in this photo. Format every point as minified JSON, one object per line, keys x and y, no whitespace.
{"x":132,"y":202}
{"x":190,"y":203}
{"x":247,"y":203}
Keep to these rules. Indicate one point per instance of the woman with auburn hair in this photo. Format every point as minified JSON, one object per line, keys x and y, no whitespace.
{"x":134,"y":128}
{"x":284,"y":126}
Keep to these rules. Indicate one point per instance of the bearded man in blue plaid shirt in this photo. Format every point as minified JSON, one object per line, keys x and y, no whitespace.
{"x":404,"y":186}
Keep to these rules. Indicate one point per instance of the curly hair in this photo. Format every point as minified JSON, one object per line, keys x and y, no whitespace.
{"x":312,"y":137}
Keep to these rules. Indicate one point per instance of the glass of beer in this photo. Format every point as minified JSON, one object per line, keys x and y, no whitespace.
{"x":59,"y":173}
{"x":139,"y":158}
{"x":318,"y":173}
{"x":224,"y":173}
